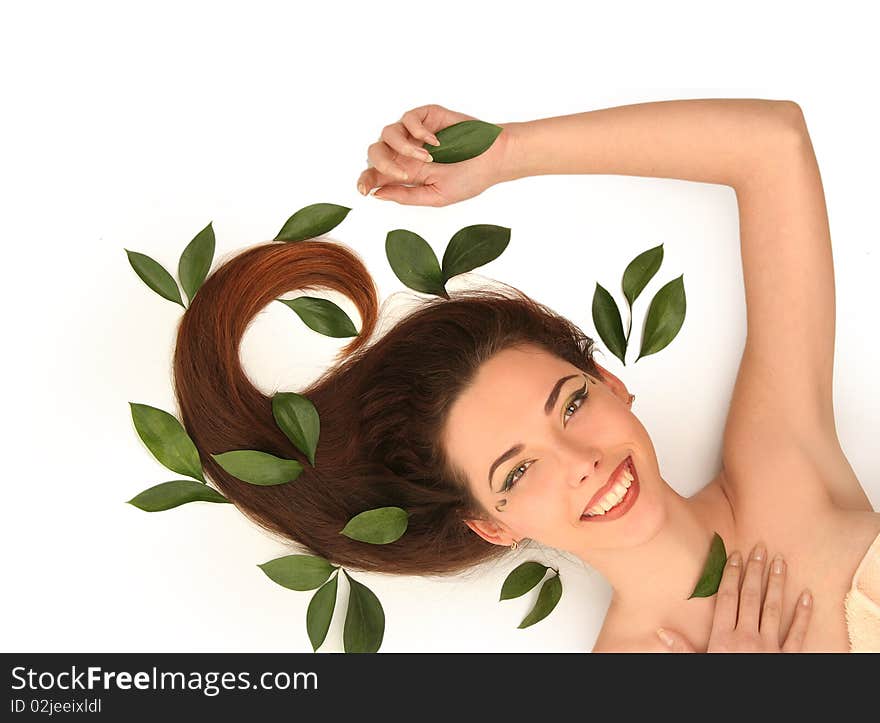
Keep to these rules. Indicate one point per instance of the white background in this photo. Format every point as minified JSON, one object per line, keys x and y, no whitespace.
{"x":129,"y":126}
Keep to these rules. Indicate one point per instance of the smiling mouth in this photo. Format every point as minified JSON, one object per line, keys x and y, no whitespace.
{"x":617,"y":496}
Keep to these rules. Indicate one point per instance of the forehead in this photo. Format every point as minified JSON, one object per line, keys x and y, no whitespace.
{"x":510,"y":387}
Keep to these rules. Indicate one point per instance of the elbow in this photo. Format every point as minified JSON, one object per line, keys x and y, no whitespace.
{"x":792,"y":118}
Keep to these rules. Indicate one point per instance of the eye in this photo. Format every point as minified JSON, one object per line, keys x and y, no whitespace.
{"x":512,"y":478}
{"x":576,"y":398}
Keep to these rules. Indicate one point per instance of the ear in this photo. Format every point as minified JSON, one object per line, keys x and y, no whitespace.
{"x":617,"y":386}
{"x":491,"y":531}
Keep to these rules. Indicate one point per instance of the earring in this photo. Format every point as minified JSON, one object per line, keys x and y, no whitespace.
{"x":514,"y":545}
{"x":631,"y":398}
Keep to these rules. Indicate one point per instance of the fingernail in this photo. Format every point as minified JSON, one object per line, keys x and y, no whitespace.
{"x":806,"y":599}
{"x":432,"y":139}
{"x":664,"y":636}
{"x":363,"y":189}
{"x":759,"y":552}
{"x":422,"y":154}
{"x":735,"y":559}
{"x":777,"y":564}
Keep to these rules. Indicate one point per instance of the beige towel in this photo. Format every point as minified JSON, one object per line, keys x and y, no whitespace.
{"x":862,"y":603}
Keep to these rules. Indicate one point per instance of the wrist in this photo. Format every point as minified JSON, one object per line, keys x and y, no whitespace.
{"x":512,"y":159}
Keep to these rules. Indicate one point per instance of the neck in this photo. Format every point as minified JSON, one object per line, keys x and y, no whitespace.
{"x":662,"y":572}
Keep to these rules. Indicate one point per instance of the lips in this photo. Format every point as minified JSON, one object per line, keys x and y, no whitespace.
{"x":622,"y":507}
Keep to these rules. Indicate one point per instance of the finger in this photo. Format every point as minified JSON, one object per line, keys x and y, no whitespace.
{"x":415,"y":122}
{"x":727,"y":597}
{"x":373,"y":178}
{"x":674,"y":642}
{"x":794,"y":641}
{"x":770,"y":617}
{"x":388,"y":161}
{"x":423,"y":195}
{"x":750,"y":595}
{"x":398,"y":137}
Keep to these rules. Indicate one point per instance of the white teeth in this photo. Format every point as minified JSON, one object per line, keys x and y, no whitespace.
{"x":616,"y":494}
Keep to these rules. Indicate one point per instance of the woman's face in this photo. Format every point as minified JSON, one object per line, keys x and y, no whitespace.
{"x":570,"y":448}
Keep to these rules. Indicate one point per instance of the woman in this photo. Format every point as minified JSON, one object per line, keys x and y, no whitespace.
{"x":487,"y":419}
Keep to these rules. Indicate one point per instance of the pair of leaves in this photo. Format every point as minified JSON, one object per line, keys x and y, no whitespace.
{"x":463,"y":141}
{"x":710,"y":579}
{"x":415,"y":263}
{"x":524,"y":578}
{"x":192,"y":268}
{"x":364,"y":619}
{"x":169,"y":443}
{"x":297,"y":417}
{"x":665,"y":315}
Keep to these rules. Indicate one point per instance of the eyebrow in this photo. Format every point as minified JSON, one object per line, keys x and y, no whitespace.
{"x":548,"y":408}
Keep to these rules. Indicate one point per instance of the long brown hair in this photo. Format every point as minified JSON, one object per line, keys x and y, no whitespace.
{"x":382,"y":405}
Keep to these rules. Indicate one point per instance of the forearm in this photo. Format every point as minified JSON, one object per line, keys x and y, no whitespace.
{"x":707,"y":140}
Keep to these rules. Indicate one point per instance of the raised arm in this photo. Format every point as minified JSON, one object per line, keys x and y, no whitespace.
{"x":709,"y":140}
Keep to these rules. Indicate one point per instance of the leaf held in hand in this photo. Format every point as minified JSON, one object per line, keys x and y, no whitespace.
{"x":297,"y":417}
{"x":298,"y":572}
{"x":606,"y":319}
{"x":258,"y":468}
{"x":364,"y":620}
{"x":320,"y":612}
{"x":712,"y":570}
{"x":522,"y":579}
{"x":640,"y":272}
{"x":322,"y":315}
{"x":167,"y":495}
{"x":167,"y":440}
{"x":195,"y":261}
{"x":378,"y":527}
{"x":154,"y":275}
{"x":551,"y":592}
{"x":463,"y":141}
{"x":473,"y":246}
{"x":665,"y":317}
{"x":414,"y":262}
{"x":312,"y":221}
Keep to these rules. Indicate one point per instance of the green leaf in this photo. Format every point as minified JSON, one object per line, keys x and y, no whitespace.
{"x":606,"y":319}
{"x":298,"y":572}
{"x":322,"y":315}
{"x":712,"y":570}
{"x":462,"y":141}
{"x":473,"y":246}
{"x":195,"y":261}
{"x":640,"y":271}
{"x":665,"y":317}
{"x":551,"y":592}
{"x":167,"y":440}
{"x":414,"y":262}
{"x":378,"y":527}
{"x":298,"y":419}
{"x":172,"y":494}
{"x":154,"y":275}
{"x":522,"y":579}
{"x":364,"y":620}
{"x":311,"y":221}
{"x":320,"y":612}
{"x":258,"y":468}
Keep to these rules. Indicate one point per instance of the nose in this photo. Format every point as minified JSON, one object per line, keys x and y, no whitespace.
{"x":581,"y":467}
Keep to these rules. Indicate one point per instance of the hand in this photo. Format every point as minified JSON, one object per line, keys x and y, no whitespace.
{"x":745,"y":635}
{"x":399,"y":150}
